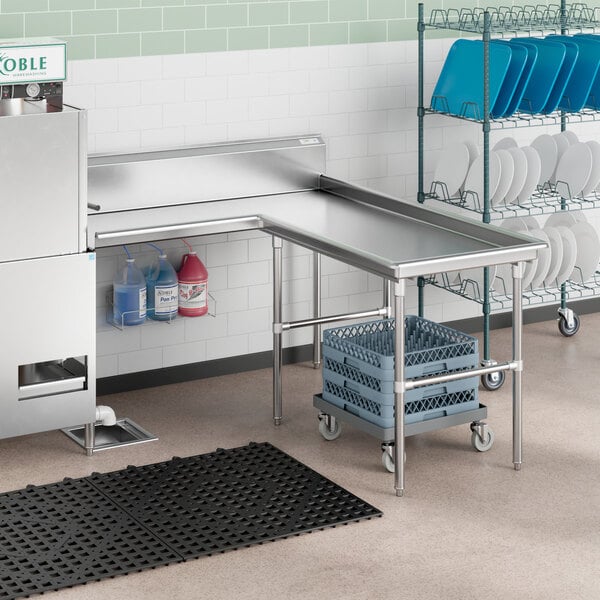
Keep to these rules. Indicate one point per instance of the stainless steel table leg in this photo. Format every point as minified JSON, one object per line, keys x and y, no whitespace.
{"x":517,"y":333}
{"x":277,"y":329}
{"x":316,"y":309}
{"x":399,"y":381}
{"x":90,"y":438}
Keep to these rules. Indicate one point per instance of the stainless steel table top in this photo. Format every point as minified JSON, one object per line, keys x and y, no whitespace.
{"x":371,"y":231}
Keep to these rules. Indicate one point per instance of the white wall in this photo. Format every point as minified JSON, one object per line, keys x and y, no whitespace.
{"x":362,"y":98}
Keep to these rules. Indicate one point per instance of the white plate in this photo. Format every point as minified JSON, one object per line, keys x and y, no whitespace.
{"x":570,"y":136}
{"x":548,"y":150}
{"x":473,"y":151}
{"x":534,"y":167}
{"x":474,"y":181}
{"x":562,"y":143}
{"x":569,"y":254}
{"x":594,"y":179}
{"x":472,"y":280}
{"x":531,"y":223}
{"x":588,"y":251}
{"x":543,"y":259}
{"x":519,"y":175}
{"x":507,"y":171}
{"x":564,"y":218}
{"x":573,"y":170}
{"x":556,"y":255}
{"x":505,"y":144}
{"x":452,"y":167}
{"x":504,"y":271}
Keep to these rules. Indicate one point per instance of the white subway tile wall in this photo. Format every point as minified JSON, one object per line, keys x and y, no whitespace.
{"x":362,"y":98}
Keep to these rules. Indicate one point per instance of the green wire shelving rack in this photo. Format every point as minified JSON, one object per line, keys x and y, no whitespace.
{"x":513,"y":21}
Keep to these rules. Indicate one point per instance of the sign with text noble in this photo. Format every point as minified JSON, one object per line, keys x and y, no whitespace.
{"x":32,"y":61}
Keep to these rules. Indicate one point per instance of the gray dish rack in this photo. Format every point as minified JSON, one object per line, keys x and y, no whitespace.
{"x":358,"y":382}
{"x":547,"y":199}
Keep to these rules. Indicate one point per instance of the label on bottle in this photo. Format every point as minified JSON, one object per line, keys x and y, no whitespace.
{"x":165,"y":299}
{"x":142,"y":303}
{"x":192,"y":295}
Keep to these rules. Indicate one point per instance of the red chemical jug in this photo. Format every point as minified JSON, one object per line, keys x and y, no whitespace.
{"x":193,"y":286}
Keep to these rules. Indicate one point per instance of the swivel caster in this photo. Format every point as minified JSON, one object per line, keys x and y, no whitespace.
{"x":329,"y":427}
{"x":387,"y":457}
{"x":482,"y":437}
{"x":493,"y":381}
{"x":568,"y":324}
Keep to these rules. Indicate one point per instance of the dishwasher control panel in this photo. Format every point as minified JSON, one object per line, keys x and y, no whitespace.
{"x":51,"y":91}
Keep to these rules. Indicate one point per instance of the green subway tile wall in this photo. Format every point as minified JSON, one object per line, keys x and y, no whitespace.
{"x":114,"y":28}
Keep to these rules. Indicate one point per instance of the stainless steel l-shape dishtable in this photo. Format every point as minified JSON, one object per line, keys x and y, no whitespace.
{"x":278,"y":186}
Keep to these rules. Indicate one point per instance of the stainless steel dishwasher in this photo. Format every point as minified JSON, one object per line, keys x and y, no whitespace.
{"x":47,"y":278}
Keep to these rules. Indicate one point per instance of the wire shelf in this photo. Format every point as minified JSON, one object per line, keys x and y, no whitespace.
{"x":547,"y":199}
{"x":519,"y":20}
{"x":470,"y":112}
{"x":131,"y":318}
{"x":501,"y":299}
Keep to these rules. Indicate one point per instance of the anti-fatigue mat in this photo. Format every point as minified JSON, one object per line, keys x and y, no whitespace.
{"x":67,"y":533}
{"x":230,"y":498}
{"x":80,"y":530}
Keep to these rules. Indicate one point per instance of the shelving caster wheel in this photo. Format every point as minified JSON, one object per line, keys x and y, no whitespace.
{"x":568,"y":322}
{"x":329,"y":427}
{"x":482,"y":437}
{"x":387,"y":456}
{"x":493,"y":381}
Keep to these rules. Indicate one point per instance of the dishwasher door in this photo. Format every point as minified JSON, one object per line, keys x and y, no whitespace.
{"x":48,"y":338}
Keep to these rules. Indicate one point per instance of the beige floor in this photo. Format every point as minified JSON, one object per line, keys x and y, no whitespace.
{"x":469,"y":527}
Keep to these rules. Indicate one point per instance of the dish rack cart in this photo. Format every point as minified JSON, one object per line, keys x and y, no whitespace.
{"x":550,"y":198}
{"x":358,"y":382}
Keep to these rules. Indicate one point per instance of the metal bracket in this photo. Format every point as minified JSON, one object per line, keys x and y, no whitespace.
{"x":277,"y":328}
{"x":399,"y":387}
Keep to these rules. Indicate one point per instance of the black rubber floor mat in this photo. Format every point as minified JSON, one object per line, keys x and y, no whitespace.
{"x":78,"y":530}
{"x":230,"y":498}
{"x":67,"y":533}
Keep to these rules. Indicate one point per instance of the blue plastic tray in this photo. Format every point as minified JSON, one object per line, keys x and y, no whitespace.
{"x":459,"y":89}
{"x":513,"y":76}
{"x":532,"y":55}
{"x":584,"y":74}
{"x":593,"y":100}
{"x":564,"y":74}
{"x":545,"y":71}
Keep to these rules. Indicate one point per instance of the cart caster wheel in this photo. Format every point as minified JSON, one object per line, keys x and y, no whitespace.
{"x":493,"y":381}
{"x":387,"y":460}
{"x":479,"y":445}
{"x":564,"y":328}
{"x":330,"y":434}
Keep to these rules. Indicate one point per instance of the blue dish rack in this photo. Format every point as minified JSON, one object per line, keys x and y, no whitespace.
{"x":358,"y":379}
{"x":358,"y":370}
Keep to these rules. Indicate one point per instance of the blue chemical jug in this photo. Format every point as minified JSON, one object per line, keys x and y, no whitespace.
{"x":129,"y":295}
{"x":163,"y":290}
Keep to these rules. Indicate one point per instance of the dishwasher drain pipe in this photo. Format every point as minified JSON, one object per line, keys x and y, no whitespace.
{"x":105,"y":415}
